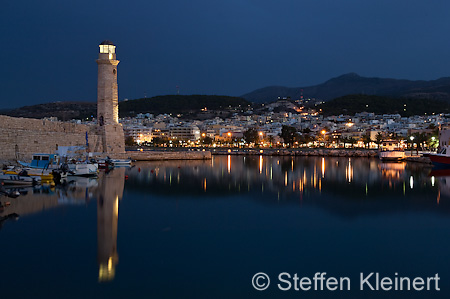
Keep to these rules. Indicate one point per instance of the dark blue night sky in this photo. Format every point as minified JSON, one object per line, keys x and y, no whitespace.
{"x":48,"y":48}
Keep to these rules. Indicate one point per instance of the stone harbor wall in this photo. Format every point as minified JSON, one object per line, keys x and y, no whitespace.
{"x":21,"y":137}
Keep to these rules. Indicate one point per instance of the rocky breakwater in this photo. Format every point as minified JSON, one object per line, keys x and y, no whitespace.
{"x":301,"y":152}
{"x":164,"y":155}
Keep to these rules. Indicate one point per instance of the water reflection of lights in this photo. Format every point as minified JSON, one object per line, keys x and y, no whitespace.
{"x":260,"y":163}
{"x":392,"y":170}
{"x":116,"y":206}
{"x":411,"y":182}
{"x":349,"y":171}
{"x":303,"y":176}
{"x":314,"y":178}
{"x":323,"y":167}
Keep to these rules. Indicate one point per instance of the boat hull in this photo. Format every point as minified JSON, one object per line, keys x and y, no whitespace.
{"x":14,"y":179}
{"x":392,"y":155}
{"x":84,"y":169}
{"x":440,"y":160}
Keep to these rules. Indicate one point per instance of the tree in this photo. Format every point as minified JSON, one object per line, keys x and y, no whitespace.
{"x":251,"y":136}
{"x":207,"y":140}
{"x":157,"y":141}
{"x":379,"y":138}
{"x":129,"y":141}
{"x":289,"y":134}
{"x":367,"y":139}
{"x":270,"y":139}
{"x":305,"y":138}
{"x":420,"y":138}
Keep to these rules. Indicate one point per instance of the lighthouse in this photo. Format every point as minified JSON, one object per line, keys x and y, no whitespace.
{"x":111,"y":130}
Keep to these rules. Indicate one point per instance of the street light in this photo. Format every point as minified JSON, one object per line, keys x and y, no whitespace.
{"x":323,"y":133}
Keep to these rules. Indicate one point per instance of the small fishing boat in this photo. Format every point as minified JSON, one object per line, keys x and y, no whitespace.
{"x":43,"y":176}
{"x":15,"y":179}
{"x":118,"y":162}
{"x":105,"y":164}
{"x":53,"y":162}
{"x":441,"y":158}
{"x":83,"y":169}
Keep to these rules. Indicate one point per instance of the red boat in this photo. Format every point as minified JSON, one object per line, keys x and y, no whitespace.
{"x":442,"y":158}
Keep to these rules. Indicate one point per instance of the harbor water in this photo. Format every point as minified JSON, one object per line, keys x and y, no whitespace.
{"x":203,"y":229}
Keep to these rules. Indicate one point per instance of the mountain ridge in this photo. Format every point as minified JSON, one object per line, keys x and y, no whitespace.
{"x":352,"y":83}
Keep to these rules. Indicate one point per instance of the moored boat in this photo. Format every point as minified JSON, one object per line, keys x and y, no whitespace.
{"x":441,"y":158}
{"x":15,"y":179}
{"x":43,"y":176}
{"x":83,"y":169}
{"x":53,"y":162}
{"x":120,"y":162}
{"x":391,"y":150}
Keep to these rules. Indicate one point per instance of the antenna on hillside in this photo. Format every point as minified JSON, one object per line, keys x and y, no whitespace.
{"x":301,"y":94}
{"x":178,"y":90}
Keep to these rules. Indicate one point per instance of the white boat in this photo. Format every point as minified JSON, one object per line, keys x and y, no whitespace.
{"x":391,"y":150}
{"x":15,"y":179}
{"x":119,"y":162}
{"x":83,"y":169}
{"x":53,"y":162}
{"x":392,"y":155}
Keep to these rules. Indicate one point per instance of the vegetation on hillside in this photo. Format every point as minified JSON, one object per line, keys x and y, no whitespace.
{"x":157,"y":105}
{"x":179,"y":104}
{"x":62,"y":110}
{"x":352,"y":104}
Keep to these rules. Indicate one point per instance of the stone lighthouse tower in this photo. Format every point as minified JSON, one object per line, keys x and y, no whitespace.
{"x":113,"y":140}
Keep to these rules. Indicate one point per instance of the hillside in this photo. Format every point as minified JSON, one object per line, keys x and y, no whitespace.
{"x":61,"y":110}
{"x":352,"y":104}
{"x":354,"y":84}
{"x":156,"y":105}
{"x":179,"y":104}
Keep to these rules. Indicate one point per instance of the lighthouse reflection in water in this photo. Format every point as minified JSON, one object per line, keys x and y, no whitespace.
{"x":110,"y":191}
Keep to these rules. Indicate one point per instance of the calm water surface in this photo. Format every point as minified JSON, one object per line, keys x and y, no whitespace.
{"x":202,"y":229}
